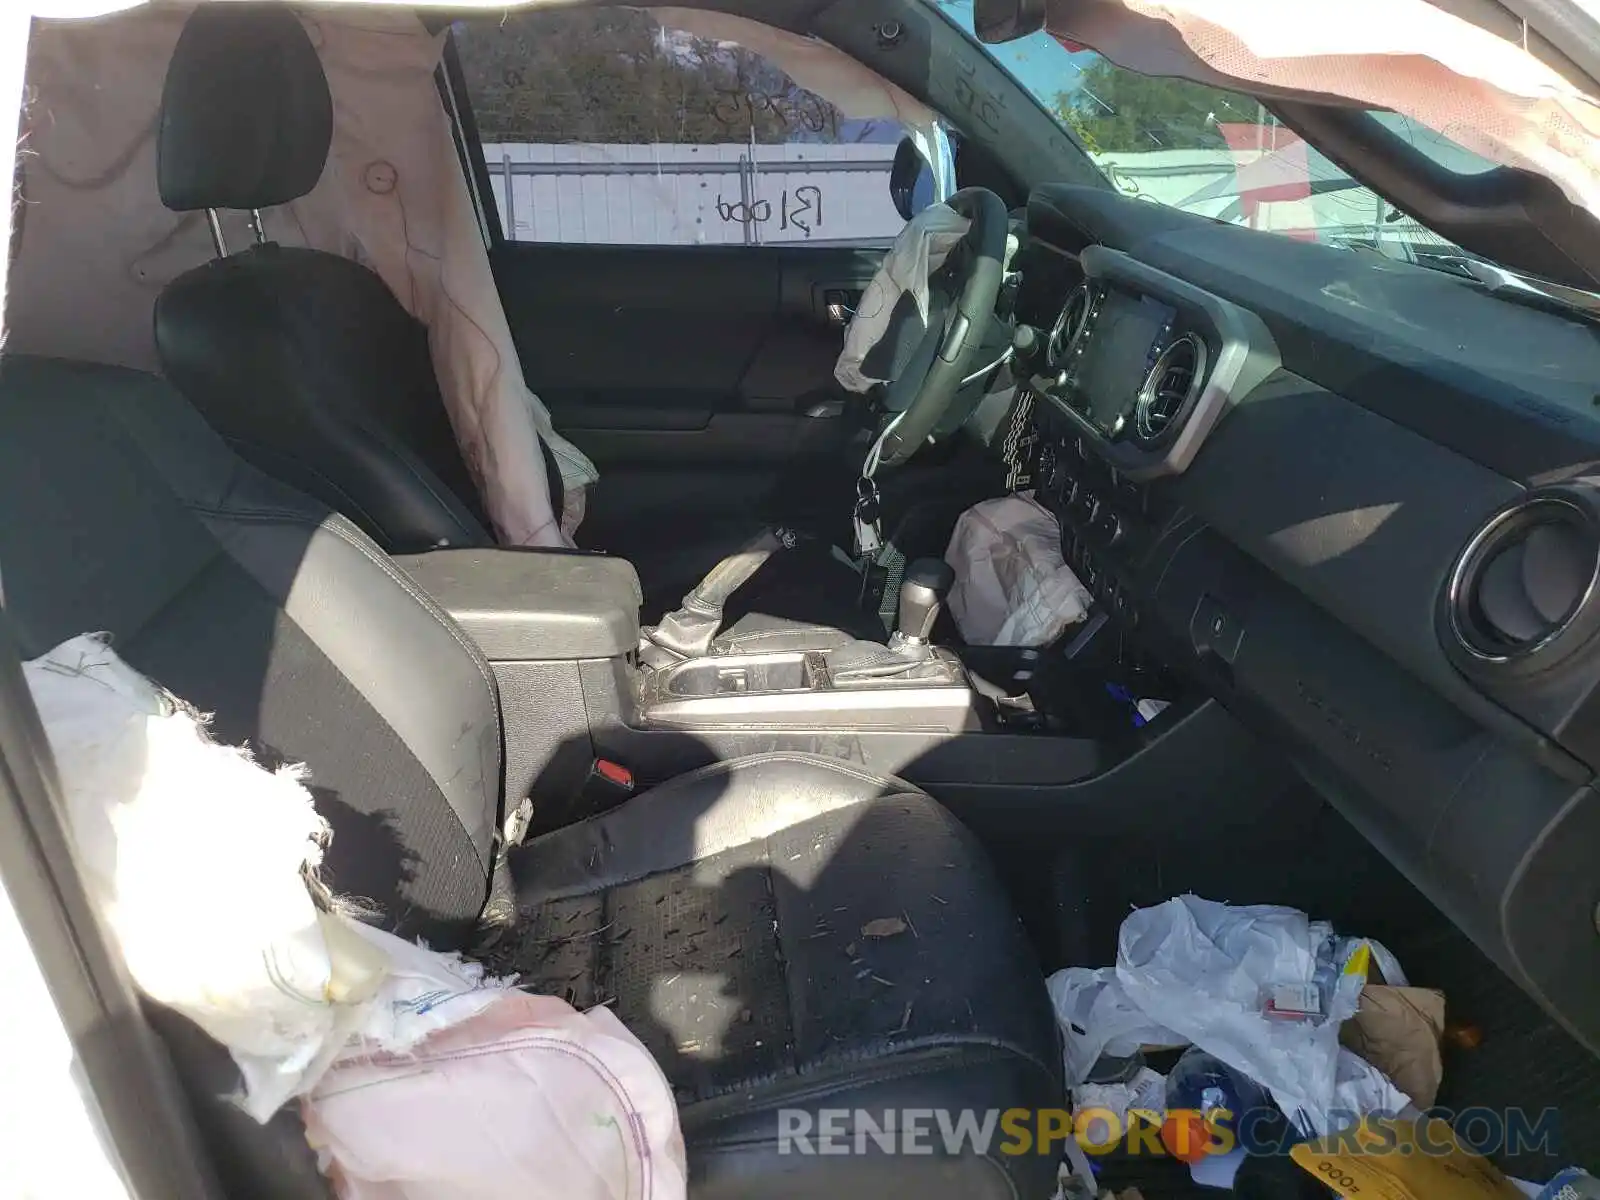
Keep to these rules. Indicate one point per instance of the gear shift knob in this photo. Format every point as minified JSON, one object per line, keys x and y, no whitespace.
{"x":927,"y":582}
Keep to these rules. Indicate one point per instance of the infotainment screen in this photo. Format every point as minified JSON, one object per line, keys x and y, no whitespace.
{"x":1117,"y":353}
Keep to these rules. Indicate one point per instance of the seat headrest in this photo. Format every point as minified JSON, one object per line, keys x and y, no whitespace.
{"x":246,"y":118}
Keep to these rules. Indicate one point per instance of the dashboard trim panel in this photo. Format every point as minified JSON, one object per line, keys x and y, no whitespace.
{"x":1240,"y":348}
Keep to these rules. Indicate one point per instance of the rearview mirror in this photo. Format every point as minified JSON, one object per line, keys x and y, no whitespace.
{"x":1007,"y":20}
{"x":911,"y":180}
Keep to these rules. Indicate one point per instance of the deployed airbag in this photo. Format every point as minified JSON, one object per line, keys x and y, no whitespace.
{"x":893,"y":313}
{"x":1013,"y":588}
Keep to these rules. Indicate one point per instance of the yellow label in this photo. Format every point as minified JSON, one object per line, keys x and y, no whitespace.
{"x":1360,"y":962}
{"x":1385,"y":1158}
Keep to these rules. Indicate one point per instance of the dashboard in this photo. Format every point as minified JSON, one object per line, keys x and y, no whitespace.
{"x":1358,"y":502}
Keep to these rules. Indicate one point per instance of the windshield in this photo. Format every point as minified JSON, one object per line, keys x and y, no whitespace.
{"x":1217,"y":153}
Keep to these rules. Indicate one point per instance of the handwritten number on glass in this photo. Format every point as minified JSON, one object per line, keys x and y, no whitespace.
{"x":800,"y":209}
{"x":739,"y":109}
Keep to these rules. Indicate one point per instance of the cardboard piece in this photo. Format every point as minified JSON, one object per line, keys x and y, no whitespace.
{"x":1389,"y":1159}
{"x":1397,"y":1030}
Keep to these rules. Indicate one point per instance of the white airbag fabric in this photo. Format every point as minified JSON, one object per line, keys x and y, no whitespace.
{"x":531,"y":1100}
{"x":1012,"y":587}
{"x":921,"y":249}
{"x":193,"y":855}
{"x":432,"y":1079}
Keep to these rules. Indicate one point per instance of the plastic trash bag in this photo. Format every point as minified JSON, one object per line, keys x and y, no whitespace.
{"x":1262,"y":988}
{"x":898,"y":294}
{"x":1097,"y":1018}
{"x":1013,"y":588}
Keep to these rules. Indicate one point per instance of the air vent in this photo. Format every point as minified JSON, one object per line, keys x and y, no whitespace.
{"x":1521,"y":591}
{"x":1069,"y":327}
{"x":1170,"y":389}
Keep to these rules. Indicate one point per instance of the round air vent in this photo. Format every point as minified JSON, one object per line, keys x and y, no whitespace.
{"x":1170,"y":389}
{"x":1069,"y":327}
{"x":1521,"y":591}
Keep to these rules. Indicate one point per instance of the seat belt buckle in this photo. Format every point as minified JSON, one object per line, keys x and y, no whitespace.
{"x":515,"y":830}
{"x":608,"y":785}
{"x":868,"y":535}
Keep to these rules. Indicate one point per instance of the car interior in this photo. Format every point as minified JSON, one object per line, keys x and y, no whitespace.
{"x":1337,"y":514}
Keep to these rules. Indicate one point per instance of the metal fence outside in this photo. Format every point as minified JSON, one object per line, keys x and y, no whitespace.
{"x":677,"y":195}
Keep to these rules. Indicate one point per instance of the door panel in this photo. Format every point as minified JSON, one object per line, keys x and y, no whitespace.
{"x":699,"y":379}
{"x":653,"y":338}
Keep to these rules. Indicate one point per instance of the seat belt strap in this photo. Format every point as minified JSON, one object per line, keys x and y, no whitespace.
{"x":865,"y":521}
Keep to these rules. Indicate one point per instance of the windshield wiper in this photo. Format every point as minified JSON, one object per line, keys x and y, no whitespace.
{"x":1534,"y":293}
{"x":1498,"y":281}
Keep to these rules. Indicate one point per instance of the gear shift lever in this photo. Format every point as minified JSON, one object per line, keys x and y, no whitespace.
{"x":908,"y":657}
{"x":922,"y":594}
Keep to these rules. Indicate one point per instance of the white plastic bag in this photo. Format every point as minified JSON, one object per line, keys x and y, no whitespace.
{"x":1096,"y":1017}
{"x":920,"y":250}
{"x":1206,"y":970}
{"x":1013,"y":588}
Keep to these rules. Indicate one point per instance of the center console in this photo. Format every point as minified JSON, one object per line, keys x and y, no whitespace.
{"x":908,"y":685}
{"x":1136,"y":370}
{"x":807,"y":690}
{"x":1127,"y":381}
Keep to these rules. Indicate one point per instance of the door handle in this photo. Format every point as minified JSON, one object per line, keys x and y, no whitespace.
{"x":839,"y":304}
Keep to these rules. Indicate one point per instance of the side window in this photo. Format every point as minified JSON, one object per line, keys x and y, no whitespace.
{"x":604,"y":126}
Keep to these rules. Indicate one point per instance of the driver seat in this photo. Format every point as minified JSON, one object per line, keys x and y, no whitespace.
{"x":310,"y":368}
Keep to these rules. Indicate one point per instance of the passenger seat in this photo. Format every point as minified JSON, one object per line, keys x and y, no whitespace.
{"x":722,"y":915}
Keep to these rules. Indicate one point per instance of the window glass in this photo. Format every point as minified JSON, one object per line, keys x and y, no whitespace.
{"x":601,"y":125}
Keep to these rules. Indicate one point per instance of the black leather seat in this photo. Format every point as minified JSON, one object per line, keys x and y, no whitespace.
{"x":304,"y":361}
{"x":307,"y":363}
{"x":722,"y":914}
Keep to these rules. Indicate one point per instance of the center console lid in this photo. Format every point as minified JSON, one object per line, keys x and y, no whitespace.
{"x":523,"y":605}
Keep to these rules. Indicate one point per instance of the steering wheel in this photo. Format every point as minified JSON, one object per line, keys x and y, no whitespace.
{"x":972,"y":276}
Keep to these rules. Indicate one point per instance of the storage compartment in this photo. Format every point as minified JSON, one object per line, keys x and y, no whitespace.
{"x":1107,"y":697}
{"x":539,"y":616}
{"x":751,"y":673}
{"x":535,"y":605}
{"x":798,"y":690}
